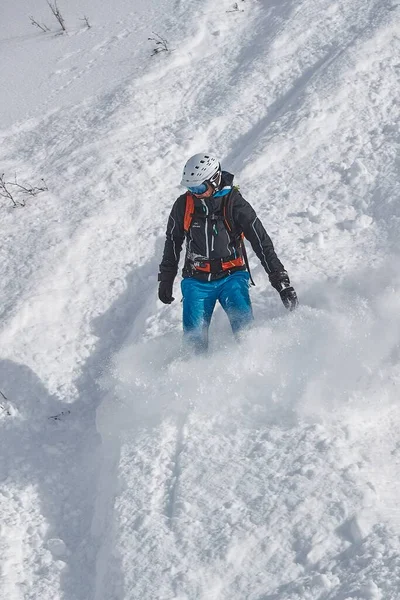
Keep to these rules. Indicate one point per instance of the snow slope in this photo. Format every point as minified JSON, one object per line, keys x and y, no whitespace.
{"x":269,"y":472}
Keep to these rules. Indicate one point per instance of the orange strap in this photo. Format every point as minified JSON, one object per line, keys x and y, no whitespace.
{"x":230,"y":264}
{"x":227,"y":225}
{"x":189,"y":210}
{"x":236,"y":262}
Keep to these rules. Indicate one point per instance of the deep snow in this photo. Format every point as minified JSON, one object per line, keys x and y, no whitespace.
{"x":268,"y":471}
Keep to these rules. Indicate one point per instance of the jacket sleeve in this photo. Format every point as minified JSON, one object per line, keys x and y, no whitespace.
{"x":246,"y":220}
{"x":175,"y":236}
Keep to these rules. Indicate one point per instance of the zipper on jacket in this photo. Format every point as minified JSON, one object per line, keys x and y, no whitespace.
{"x":206,"y":229}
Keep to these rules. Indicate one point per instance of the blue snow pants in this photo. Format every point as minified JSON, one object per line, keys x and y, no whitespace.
{"x":199,"y":299}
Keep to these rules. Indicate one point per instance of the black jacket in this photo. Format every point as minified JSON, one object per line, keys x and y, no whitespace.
{"x":209,"y":239}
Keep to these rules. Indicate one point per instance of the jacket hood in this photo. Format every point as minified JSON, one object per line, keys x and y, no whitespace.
{"x":226,"y":179}
{"x":225,"y":185}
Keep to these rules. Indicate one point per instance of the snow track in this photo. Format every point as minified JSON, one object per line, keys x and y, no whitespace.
{"x":272,"y":482}
{"x":268,"y":472}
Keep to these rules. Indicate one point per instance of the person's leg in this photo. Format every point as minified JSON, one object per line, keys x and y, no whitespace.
{"x":199,"y":298}
{"x":234,"y":297}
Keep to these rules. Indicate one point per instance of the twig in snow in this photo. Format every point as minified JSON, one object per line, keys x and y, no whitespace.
{"x":21,"y":189}
{"x":41,"y":26}
{"x":64,"y":413}
{"x":86,"y":21}
{"x":56,"y":12}
{"x":5,"y":192}
{"x":161,"y":44}
{"x":33,"y":191}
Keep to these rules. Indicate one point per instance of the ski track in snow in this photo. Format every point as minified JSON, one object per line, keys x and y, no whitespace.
{"x":270,"y":472}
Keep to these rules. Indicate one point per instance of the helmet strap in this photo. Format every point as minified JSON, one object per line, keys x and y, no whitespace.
{"x":215,"y":180}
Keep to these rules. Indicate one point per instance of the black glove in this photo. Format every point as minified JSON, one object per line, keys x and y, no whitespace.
{"x":289,"y":298}
{"x":281,"y":282}
{"x":165,"y":289}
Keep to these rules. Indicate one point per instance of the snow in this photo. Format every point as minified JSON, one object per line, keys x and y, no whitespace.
{"x":269,"y":470}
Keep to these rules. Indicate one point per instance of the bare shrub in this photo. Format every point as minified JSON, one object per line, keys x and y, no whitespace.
{"x":86,"y":21}
{"x":56,"y":12}
{"x":161,"y":44}
{"x":41,"y":26}
{"x":16,"y":193}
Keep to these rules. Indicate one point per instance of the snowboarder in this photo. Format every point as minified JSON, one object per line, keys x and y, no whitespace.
{"x":213,"y":217}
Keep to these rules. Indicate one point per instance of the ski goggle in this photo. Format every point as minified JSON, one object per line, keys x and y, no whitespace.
{"x":198,"y":189}
{"x":214,"y":181}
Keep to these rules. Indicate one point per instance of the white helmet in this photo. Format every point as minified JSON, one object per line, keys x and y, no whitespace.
{"x":199,"y":168}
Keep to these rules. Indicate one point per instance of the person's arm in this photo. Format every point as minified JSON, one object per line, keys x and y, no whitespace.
{"x":175,"y":236}
{"x":246,"y":219}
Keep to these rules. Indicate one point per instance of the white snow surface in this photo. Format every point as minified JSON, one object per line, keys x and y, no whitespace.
{"x":265,"y":471}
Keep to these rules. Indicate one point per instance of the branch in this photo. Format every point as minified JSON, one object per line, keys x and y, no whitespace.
{"x":5,"y":192}
{"x":42,"y":27}
{"x":56,"y":12}
{"x":33,"y":191}
{"x":86,"y":20}
{"x":21,"y":189}
{"x":160,"y":42}
{"x":58,"y":417}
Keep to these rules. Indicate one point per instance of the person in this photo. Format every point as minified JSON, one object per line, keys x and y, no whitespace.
{"x":213,"y":217}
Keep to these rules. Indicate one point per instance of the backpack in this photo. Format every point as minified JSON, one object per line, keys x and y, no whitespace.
{"x":227,"y":216}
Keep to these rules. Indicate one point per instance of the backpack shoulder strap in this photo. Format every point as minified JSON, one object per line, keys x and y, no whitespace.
{"x":189,"y":209}
{"x":227,"y":213}
{"x":230,"y":225}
